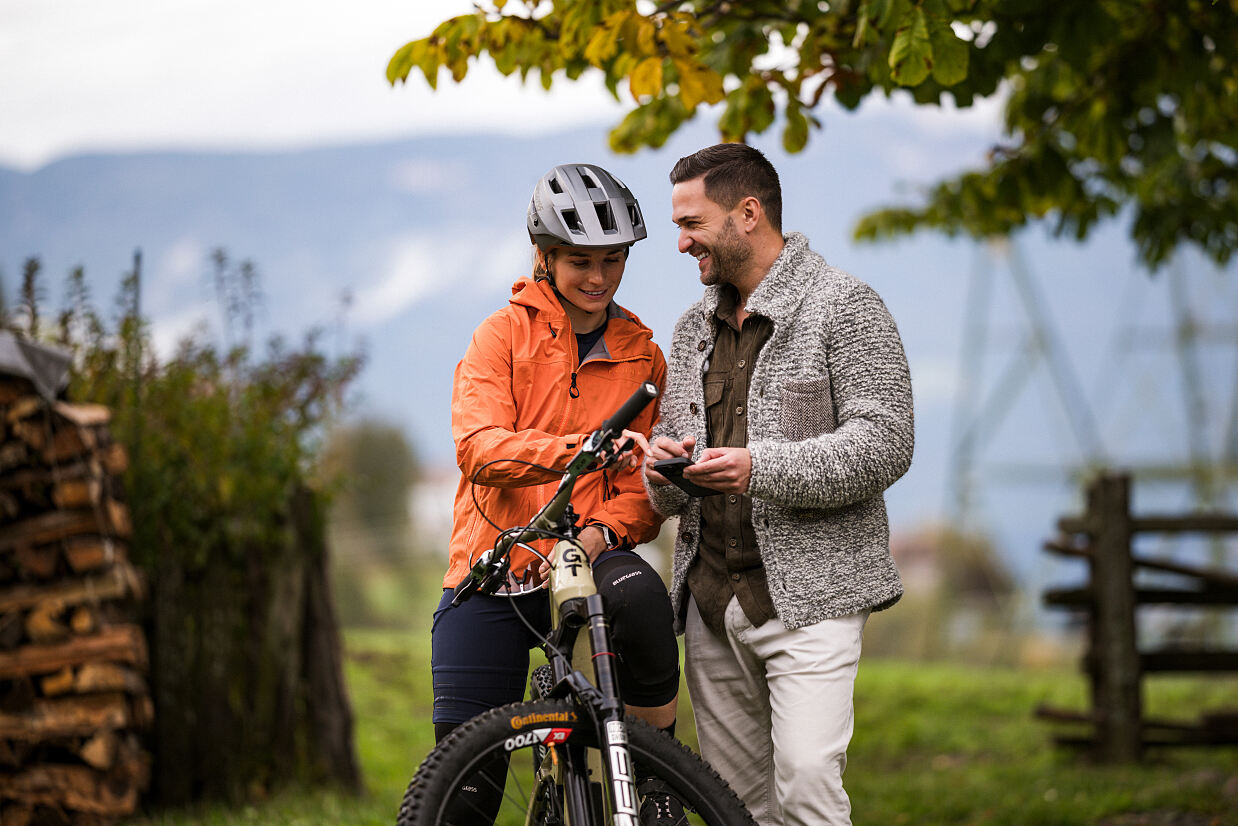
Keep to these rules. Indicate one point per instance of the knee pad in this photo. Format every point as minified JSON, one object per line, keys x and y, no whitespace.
{"x":642,"y":628}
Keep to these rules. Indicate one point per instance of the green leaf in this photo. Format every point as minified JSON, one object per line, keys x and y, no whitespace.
{"x":795,"y":135}
{"x":881,"y":11}
{"x":861,"y":29}
{"x":649,"y":124}
{"x":761,"y":109}
{"x":949,"y":53}
{"x":912,"y":53}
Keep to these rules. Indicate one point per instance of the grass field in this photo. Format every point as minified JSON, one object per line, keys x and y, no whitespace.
{"x":934,"y":744}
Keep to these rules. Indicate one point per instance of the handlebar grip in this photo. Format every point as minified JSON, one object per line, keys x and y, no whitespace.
{"x":462,"y":592}
{"x":637,"y":402}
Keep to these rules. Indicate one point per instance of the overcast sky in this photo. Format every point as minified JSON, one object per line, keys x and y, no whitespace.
{"x":85,"y":75}
{"x":82,"y":75}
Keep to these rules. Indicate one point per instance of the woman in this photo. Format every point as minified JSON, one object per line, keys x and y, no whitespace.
{"x":538,"y":377}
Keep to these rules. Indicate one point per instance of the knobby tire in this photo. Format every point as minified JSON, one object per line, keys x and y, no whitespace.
{"x":707,"y":798}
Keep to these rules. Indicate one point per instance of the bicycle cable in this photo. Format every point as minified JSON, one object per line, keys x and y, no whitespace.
{"x":548,"y":534}
{"x":474,"y":484}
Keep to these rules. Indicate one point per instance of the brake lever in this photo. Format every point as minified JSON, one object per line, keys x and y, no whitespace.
{"x":486,"y":576}
{"x":604,"y":458}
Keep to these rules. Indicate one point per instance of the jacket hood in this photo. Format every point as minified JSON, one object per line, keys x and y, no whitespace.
{"x":538,"y":295}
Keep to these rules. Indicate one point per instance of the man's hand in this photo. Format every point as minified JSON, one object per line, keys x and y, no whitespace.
{"x":664,"y":448}
{"x":728,"y":469}
{"x":591,"y":539}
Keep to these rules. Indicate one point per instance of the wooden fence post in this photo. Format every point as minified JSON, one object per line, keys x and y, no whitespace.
{"x":1114,"y":658}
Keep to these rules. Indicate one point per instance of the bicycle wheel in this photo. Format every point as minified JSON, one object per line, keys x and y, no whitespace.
{"x":442,"y":791}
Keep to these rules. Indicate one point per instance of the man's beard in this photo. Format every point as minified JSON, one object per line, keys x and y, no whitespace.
{"x":728,"y":256}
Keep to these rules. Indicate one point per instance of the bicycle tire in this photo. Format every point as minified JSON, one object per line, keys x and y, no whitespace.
{"x":518,"y":727}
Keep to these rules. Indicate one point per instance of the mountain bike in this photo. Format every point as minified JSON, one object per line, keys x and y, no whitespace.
{"x":570,"y":756}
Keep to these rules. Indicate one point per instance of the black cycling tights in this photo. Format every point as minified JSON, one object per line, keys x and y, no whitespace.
{"x":480,"y":648}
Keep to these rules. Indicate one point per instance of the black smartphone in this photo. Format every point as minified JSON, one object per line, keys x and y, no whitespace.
{"x":673,"y":469}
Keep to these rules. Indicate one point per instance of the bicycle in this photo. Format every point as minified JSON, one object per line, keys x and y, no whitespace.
{"x":583,"y":755}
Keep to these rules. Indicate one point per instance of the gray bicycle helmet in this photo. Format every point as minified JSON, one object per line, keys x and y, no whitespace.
{"x":582,"y":205}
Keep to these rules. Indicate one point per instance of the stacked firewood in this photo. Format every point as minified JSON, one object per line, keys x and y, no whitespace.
{"x":73,"y":692}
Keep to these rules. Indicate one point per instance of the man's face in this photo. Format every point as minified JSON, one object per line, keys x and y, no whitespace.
{"x":708,"y":233}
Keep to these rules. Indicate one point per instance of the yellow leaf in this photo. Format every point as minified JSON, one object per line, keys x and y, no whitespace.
{"x":637,"y":35}
{"x":698,"y":84}
{"x":678,"y":39}
{"x":402,"y":62}
{"x":605,"y":40}
{"x":646,"y":78}
{"x":647,"y":33}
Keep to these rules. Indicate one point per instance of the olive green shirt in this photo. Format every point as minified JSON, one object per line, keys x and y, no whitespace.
{"x":729,"y":562}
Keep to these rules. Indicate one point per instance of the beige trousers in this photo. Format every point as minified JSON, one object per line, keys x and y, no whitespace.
{"x":774,"y":712}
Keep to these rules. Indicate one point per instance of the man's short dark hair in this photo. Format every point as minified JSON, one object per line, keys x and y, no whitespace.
{"x":734,"y":171}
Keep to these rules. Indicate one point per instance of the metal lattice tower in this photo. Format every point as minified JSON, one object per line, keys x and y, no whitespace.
{"x":1199,"y":382}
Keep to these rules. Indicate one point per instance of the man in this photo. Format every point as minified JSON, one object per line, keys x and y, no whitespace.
{"x":788,"y":383}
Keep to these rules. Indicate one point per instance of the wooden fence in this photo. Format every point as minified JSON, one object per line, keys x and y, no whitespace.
{"x":1111,"y":597}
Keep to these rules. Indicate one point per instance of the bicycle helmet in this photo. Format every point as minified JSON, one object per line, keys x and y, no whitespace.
{"x":582,"y":205}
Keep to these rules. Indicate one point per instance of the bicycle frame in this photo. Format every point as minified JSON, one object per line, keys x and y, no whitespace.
{"x":577,"y":607}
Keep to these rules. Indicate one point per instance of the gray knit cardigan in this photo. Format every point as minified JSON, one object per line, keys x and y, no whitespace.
{"x":829,"y":429}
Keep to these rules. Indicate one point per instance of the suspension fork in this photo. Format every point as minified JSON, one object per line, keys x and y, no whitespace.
{"x":612,"y":733}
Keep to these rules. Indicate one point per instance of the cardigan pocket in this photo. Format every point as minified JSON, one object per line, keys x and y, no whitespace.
{"x":807,"y":409}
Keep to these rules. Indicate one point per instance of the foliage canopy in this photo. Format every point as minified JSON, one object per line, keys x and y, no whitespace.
{"x":1107,"y":102}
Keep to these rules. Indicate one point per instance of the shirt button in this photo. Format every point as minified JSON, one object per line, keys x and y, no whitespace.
{"x":739,"y":411}
{"x":735,"y":577}
{"x":740,"y":363}
{"x":732,"y":542}
{"x":732,"y":499}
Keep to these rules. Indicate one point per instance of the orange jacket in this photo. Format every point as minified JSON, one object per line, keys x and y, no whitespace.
{"x":512,"y":399}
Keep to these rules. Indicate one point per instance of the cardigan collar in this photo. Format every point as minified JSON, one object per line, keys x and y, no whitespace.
{"x":780,"y":291}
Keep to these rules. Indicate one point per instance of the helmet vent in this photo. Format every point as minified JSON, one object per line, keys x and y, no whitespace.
{"x":572,"y":221}
{"x":555,"y":186}
{"x":605,"y":217}
{"x":634,"y":215}
{"x":587,"y":181}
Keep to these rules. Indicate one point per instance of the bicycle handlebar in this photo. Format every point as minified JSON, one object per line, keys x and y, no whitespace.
{"x":637,"y":402}
{"x":488,"y":573}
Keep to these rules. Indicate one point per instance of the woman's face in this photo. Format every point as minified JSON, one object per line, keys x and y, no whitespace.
{"x":588,"y":278}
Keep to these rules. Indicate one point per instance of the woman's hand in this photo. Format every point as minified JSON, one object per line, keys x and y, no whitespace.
{"x":591,"y":539}
{"x":632,"y":458}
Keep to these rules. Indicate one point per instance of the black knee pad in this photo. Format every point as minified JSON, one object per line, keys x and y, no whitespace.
{"x":642,"y":627}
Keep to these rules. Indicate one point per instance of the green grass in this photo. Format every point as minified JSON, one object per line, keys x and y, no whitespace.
{"x":942,"y":744}
{"x":934,"y":744}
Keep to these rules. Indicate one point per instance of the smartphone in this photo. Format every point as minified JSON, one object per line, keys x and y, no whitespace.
{"x":673,"y":469}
